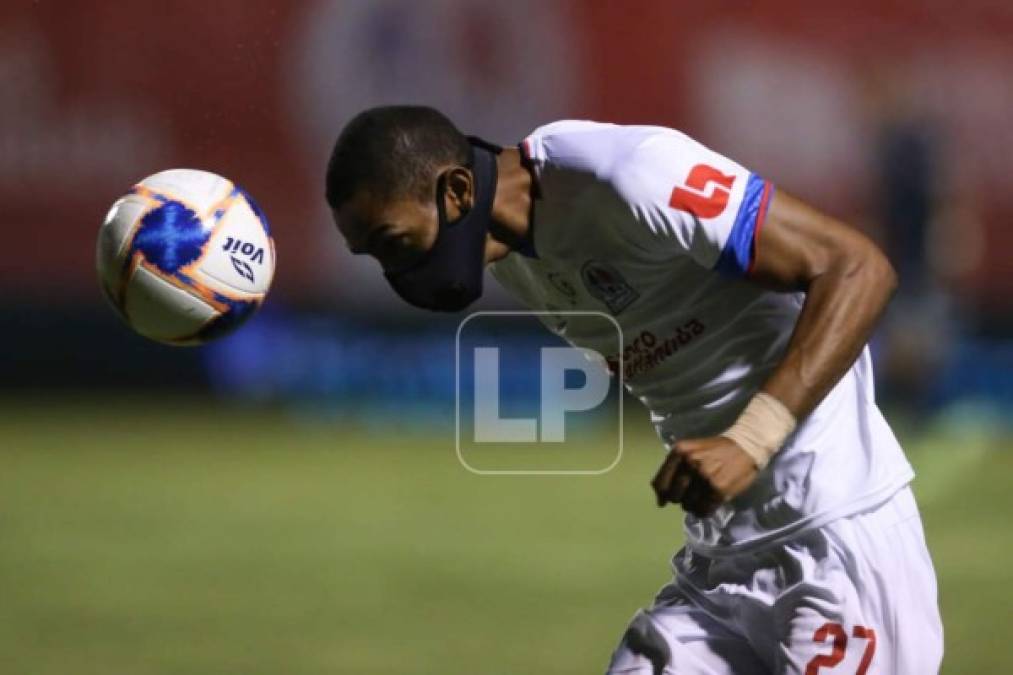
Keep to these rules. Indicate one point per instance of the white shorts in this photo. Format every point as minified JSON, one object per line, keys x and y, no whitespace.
{"x":854,"y":597}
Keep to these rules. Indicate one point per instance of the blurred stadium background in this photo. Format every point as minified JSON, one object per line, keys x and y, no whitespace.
{"x":288,"y":500}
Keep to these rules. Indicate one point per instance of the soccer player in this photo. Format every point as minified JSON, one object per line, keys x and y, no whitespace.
{"x":746,"y":315}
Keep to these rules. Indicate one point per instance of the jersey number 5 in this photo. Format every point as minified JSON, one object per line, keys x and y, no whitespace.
{"x":834,"y":633}
{"x":698,"y":202}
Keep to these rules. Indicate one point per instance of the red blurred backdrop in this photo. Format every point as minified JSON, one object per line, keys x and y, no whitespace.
{"x":96,"y":95}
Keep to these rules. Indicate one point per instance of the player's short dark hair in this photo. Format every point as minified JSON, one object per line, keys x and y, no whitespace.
{"x":393,"y":151}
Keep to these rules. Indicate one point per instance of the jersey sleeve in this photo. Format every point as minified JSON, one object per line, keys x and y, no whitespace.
{"x":691,"y":200}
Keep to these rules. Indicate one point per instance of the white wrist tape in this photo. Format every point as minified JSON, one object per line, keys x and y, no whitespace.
{"x":762,"y":428}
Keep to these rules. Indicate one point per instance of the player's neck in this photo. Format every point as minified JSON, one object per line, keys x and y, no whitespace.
{"x":511,"y":207}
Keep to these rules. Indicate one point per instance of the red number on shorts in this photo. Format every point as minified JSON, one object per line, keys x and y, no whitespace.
{"x":836,"y":631}
{"x":840,"y":639}
{"x":870,"y":647}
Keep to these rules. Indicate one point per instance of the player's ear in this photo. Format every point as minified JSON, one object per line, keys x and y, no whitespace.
{"x":460,"y":189}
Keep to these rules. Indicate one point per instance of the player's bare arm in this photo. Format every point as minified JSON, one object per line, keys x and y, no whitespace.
{"x":848,"y":282}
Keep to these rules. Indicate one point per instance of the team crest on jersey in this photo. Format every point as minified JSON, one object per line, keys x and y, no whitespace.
{"x":605,"y":283}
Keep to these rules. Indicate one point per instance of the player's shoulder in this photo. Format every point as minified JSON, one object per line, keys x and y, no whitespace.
{"x":574,"y":130}
{"x":598,"y":143}
{"x":598,"y":147}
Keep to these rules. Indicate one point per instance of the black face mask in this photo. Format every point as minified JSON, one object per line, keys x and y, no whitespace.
{"x":448,"y":277}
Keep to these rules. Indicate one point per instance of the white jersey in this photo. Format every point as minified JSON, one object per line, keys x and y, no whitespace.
{"x":658,"y":231}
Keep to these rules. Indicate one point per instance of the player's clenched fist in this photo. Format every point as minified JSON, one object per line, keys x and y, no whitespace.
{"x":726,"y":465}
{"x":703,"y":473}
{"x":721,"y":462}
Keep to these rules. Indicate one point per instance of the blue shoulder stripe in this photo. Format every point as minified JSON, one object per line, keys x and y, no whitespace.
{"x":737,"y":255}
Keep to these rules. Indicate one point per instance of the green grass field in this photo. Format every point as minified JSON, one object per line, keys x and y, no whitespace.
{"x":140,"y":541}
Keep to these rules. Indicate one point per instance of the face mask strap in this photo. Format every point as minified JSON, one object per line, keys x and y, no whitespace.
{"x":476,"y":142}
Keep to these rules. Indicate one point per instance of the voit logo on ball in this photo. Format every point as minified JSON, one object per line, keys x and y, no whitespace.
{"x":249,"y":250}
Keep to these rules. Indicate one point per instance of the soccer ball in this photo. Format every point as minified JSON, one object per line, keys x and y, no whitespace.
{"x":185,"y":257}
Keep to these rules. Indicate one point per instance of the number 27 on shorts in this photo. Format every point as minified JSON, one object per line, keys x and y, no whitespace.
{"x":835,"y":634}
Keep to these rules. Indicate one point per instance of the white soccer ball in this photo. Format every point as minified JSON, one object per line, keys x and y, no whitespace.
{"x":185,"y":257}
